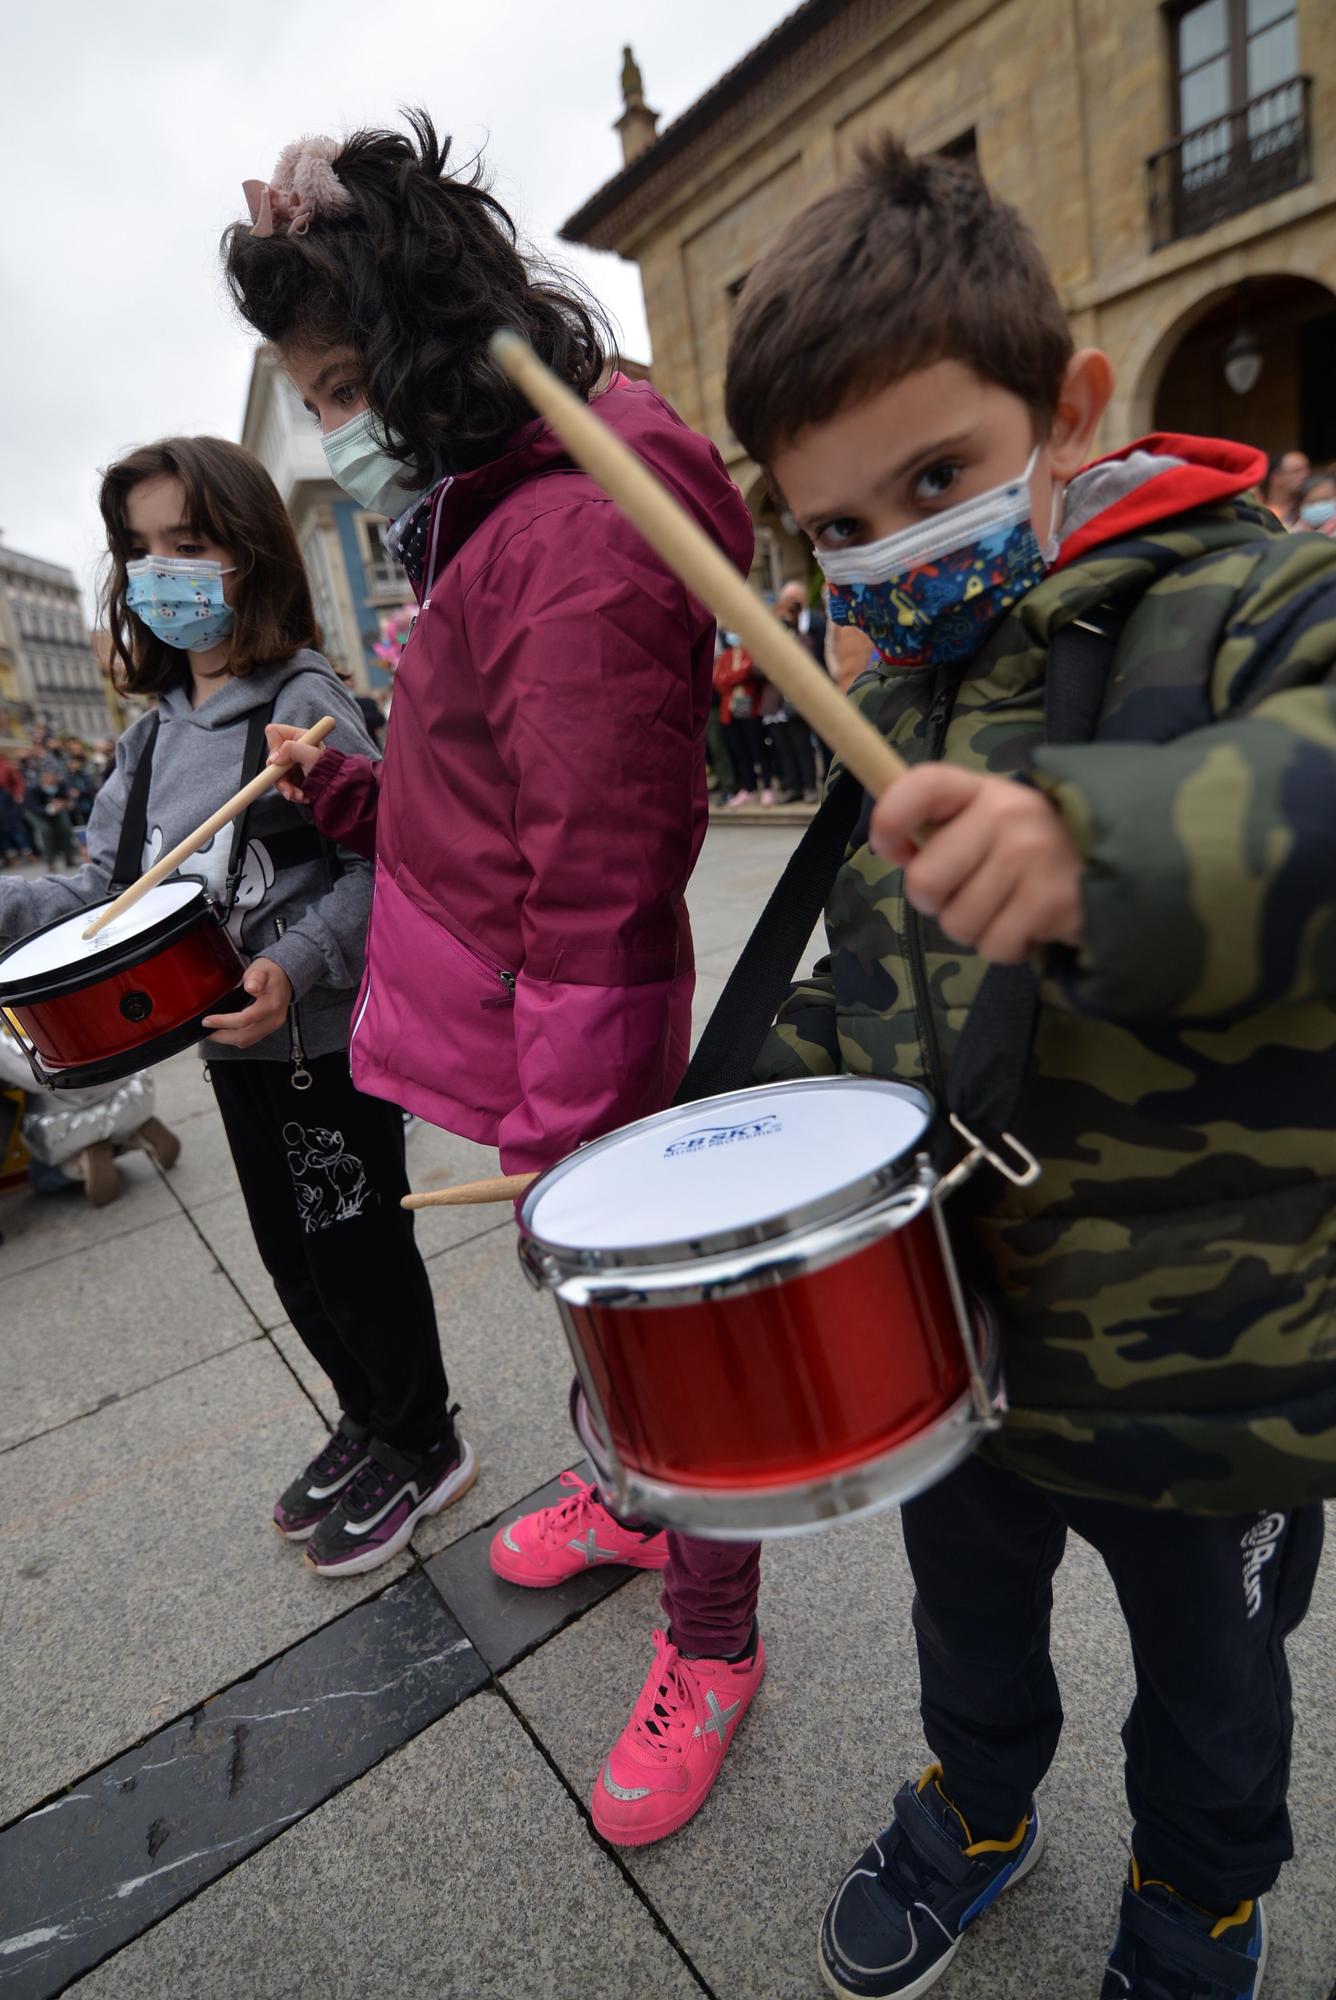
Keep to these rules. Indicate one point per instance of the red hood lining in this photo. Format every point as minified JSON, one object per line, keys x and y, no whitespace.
{"x":1207,"y":470}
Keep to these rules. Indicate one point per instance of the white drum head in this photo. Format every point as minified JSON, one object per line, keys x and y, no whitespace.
{"x":727,"y":1164}
{"x":63,"y":948}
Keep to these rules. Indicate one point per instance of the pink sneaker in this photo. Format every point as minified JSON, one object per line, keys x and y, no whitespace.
{"x":661,"y":1769}
{"x":558,"y":1542}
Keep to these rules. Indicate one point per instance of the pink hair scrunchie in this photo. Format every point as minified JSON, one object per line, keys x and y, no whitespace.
{"x":303,"y":188}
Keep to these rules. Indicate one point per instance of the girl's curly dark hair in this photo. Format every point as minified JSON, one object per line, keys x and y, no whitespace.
{"x":415,"y":277}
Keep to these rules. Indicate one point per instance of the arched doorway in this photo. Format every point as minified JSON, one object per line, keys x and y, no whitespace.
{"x":781,"y":552}
{"x":1290,"y":323}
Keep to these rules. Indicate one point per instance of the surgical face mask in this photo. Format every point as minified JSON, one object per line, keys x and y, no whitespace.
{"x":1317,"y":513}
{"x":180,"y":599}
{"x":930,"y":595}
{"x":365,"y":470}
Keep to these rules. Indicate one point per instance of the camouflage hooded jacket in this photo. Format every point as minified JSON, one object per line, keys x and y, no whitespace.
{"x":1168,"y":1287}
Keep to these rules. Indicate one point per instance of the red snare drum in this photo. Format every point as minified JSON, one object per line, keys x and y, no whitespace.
{"x":763,"y":1307}
{"x":91,"y":1010}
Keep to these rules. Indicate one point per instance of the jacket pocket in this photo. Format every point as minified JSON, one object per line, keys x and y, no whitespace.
{"x":434,"y":1011}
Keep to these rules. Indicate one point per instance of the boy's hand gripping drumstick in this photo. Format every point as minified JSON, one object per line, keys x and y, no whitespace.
{"x":504,"y":1187}
{"x":705,"y":570}
{"x":202,"y":834}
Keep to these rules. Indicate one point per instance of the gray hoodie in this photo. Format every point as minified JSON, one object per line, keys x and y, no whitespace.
{"x":312,"y":927}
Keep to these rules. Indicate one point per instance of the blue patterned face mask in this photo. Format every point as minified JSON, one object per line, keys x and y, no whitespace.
{"x":180,"y":599}
{"x":930,"y":595}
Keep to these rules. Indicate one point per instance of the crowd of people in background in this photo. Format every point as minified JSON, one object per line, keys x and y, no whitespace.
{"x":1299,"y":495}
{"x":760,"y":751}
{"x":46,"y":796}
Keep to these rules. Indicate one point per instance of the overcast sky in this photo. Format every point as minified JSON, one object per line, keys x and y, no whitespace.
{"x":127,"y":130}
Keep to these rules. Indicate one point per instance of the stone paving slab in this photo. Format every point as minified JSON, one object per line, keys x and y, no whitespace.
{"x":204,"y":1172}
{"x":459,"y":1869}
{"x":225,"y":1228}
{"x":94,"y":1869}
{"x":308,"y":1372}
{"x":139,"y":1569}
{"x":504,"y":1620}
{"x":105,"y":1322}
{"x":181,"y":1089}
{"x":510,"y":1371}
{"x":39,"y":1229}
{"x":833,"y":1732}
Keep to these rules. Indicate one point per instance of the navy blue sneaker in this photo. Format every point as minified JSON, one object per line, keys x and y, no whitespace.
{"x":1170,"y":1949}
{"x":896,"y":1920}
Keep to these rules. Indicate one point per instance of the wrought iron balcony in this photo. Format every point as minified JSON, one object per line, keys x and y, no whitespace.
{"x":1245,"y":156}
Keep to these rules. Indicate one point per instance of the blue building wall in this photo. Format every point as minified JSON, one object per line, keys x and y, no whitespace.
{"x":368,"y":611}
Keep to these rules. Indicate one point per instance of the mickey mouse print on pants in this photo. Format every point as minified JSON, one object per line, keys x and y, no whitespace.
{"x":330,"y":1182}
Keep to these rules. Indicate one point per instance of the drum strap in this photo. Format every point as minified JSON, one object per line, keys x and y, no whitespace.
{"x":992,"y":1058}
{"x":129,"y":863}
{"x":289,"y":847}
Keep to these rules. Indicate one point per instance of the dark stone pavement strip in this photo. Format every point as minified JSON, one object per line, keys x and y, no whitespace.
{"x":504,"y":1621}
{"x":86,"y":1873}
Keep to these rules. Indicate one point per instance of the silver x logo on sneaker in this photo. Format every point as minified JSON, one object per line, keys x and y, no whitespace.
{"x":591,"y":1548}
{"x":719,"y":1717}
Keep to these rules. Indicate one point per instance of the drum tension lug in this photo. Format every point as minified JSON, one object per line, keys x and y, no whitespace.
{"x":1022,"y":1169}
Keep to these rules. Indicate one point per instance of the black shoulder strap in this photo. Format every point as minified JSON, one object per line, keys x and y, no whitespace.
{"x":129,"y":863}
{"x":993,"y":1057}
{"x":252,"y":763}
{"x":759,"y":981}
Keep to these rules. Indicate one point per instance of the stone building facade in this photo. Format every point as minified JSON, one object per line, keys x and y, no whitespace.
{"x":1177,"y":164}
{"x":48,"y":669}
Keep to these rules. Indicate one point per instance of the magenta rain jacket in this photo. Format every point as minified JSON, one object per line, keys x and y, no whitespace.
{"x":541,"y":803}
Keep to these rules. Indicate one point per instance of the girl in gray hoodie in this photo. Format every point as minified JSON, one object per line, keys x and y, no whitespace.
{"x":209,"y":610}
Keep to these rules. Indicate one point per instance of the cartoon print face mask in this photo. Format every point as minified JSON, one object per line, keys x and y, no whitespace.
{"x":180,"y":599}
{"x":930,"y":595}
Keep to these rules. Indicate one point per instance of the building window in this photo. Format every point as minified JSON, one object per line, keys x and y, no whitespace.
{"x":384,"y":574}
{"x":1227,"y":52}
{"x":322,"y":591}
{"x":1240,"y":111}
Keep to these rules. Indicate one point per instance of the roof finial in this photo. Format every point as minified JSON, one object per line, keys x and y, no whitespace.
{"x":633,"y":84}
{"x":638,"y":125}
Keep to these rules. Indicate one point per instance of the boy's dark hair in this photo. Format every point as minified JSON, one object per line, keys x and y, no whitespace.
{"x":231,"y":499}
{"x":415,"y":277}
{"x":909,"y":262}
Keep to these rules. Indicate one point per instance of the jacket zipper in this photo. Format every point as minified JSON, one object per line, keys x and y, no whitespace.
{"x":938,"y":721}
{"x":506,"y":999}
{"x":431,"y":558}
{"x":301,"y":1078}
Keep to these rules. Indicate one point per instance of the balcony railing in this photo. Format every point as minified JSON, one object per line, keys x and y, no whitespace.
{"x":1243,"y":157}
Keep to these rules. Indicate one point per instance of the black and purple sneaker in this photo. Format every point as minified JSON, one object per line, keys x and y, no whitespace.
{"x":381,"y":1507}
{"x":315,"y":1492}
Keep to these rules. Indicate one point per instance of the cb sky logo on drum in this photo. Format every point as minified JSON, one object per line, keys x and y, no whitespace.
{"x":707,"y":1136}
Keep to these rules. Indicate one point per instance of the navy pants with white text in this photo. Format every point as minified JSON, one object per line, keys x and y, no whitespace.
{"x":1209,"y":1601}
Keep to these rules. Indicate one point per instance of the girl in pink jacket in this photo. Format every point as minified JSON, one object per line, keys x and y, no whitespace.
{"x":542,"y":798}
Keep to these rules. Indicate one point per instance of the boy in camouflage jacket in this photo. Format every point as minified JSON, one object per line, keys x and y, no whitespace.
{"x":902,"y":367}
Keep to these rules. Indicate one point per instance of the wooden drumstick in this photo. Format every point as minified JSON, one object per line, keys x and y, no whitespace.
{"x":703,"y":567}
{"x":503,"y":1187}
{"x":202,"y":834}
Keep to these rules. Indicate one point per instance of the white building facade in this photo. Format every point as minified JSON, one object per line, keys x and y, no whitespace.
{"x":354,"y":579}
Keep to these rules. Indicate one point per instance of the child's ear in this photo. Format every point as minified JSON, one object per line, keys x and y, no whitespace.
{"x":1086,"y":388}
